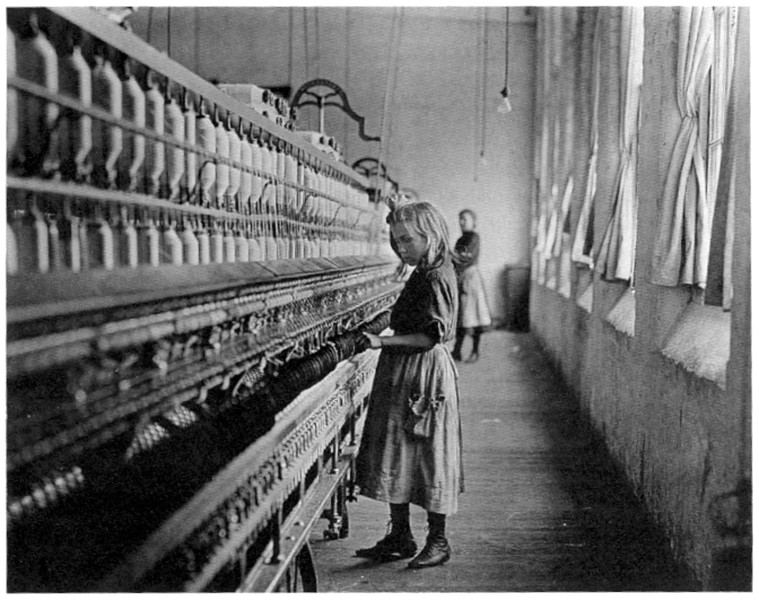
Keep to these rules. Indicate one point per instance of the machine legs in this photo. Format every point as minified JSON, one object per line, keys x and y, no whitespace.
{"x":337,"y":514}
{"x":301,"y":573}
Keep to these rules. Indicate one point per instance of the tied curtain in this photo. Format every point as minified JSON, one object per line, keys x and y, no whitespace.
{"x":582,"y":246}
{"x":545,"y":156}
{"x":616,"y":255}
{"x":681,"y":248}
{"x":561,"y":245}
{"x":721,"y":159}
{"x":556,"y":152}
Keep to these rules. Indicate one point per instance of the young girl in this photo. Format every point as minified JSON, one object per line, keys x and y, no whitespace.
{"x":474,"y":315}
{"x":411,"y":446}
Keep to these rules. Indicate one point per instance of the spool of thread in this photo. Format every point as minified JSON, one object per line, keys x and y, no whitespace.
{"x":222,"y":168}
{"x":107,"y":257}
{"x":281,"y":168}
{"x":190,"y":245}
{"x":108,"y":139}
{"x":204,"y":246}
{"x":246,"y":177}
{"x":37,"y":61}
{"x":76,"y":132}
{"x":217,"y":246}
{"x":131,"y":245}
{"x":230,"y":246}
{"x":54,"y":243}
{"x":150,"y":244}
{"x":254,"y":249}
{"x":256,"y":184}
{"x":242,"y":248}
{"x":235,"y":154}
{"x":175,"y":159}
{"x":11,"y":251}
{"x":271,"y":248}
{"x":190,"y":179}
{"x":173,"y":245}
{"x":135,"y":111}
{"x":291,"y":176}
{"x":155,"y":160}
{"x":42,"y":241}
{"x":11,"y":106}
{"x":206,"y":132}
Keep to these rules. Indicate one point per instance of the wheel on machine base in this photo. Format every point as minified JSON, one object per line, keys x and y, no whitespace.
{"x":301,"y":573}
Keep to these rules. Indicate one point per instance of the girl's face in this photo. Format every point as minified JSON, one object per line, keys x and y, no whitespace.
{"x":411,"y":246}
{"x":466,"y":222}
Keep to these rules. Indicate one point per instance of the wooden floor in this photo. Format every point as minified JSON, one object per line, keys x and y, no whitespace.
{"x":544,"y":509}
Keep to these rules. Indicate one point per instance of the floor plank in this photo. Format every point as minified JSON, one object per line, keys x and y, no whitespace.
{"x":544,"y":508}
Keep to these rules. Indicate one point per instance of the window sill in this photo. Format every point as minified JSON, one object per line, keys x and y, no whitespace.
{"x":701,"y":342}
{"x":622,"y":316}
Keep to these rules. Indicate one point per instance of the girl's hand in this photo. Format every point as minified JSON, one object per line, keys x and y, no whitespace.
{"x":374,"y":340}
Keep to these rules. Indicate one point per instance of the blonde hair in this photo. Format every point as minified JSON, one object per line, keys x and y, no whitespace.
{"x":425,"y":220}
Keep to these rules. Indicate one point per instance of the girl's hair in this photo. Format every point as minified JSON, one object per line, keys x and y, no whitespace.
{"x":425,"y":220}
{"x":470,"y":212}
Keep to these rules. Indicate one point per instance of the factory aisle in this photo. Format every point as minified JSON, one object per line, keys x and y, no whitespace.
{"x":544,"y":509}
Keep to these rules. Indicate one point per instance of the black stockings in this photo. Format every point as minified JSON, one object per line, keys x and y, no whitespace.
{"x":461,"y":334}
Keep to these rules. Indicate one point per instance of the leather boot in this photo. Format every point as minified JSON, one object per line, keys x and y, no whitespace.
{"x":437,"y":550}
{"x":456,"y":354}
{"x":399,"y":541}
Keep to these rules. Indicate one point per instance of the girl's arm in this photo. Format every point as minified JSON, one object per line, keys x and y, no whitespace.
{"x":409,"y":340}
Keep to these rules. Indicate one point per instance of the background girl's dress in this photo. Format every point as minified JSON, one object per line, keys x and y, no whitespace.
{"x":474,"y":311}
{"x":411,"y":445}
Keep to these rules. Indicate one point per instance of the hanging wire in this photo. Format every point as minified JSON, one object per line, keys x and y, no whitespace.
{"x":392,"y":59}
{"x":196,"y":48}
{"x":483,"y":94}
{"x":347,"y":77}
{"x":150,"y":24}
{"x":305,"y":49}
{"x":305,"y":40}
{"x":477,"y":100}
{"x":291,"y":19}
{"x":168,"y":31}
{"x":396,"y":67}
{"x":505,"y":106}
{"x":316,"y":40}
{"x":506,"y":68}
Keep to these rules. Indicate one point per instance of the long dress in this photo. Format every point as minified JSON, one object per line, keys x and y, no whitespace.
{"x":411,"y":444}
{"x":473,"y":311}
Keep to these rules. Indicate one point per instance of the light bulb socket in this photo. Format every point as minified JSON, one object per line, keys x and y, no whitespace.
{"x":505,"y":106}
{"x":505,"y":92}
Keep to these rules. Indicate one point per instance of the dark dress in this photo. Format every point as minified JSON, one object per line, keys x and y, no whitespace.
{"x":411,"y":444}
{"x":474,"y":311}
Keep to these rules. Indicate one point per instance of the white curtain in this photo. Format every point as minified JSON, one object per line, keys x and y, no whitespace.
{"x":682,"y":243}
{"x":720,"y":178}
{"x":550,"y":224}
{"x":616,"y":256}
{"x":582,"y":246}
{"x":540,"y":220}
{"x":561,"y":241}
{"x":562,"y":216}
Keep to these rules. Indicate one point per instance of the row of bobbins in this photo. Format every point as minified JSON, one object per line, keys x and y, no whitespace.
{"x":280,"y":193}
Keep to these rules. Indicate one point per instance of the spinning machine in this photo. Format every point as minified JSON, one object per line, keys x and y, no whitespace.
{"x":187,"y":284}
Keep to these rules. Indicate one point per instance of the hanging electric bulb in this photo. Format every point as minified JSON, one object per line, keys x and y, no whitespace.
{"x":505,"y":106}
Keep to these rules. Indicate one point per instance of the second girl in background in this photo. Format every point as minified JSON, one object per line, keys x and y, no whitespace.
{"x":474,"y":314}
